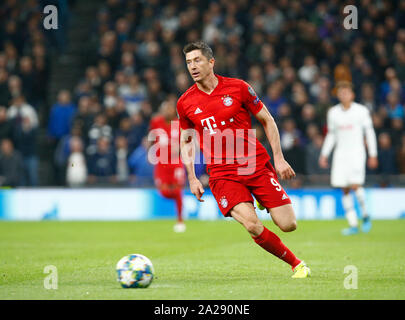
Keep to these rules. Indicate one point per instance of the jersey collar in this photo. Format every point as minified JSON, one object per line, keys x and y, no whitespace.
{"x":218,"y":84}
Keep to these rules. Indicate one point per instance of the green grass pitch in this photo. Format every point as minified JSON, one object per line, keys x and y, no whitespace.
{"x":212,"y":260}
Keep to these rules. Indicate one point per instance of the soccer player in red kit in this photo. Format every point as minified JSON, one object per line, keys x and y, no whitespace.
{"x":169,"y":175}
{"x":217,"y":110}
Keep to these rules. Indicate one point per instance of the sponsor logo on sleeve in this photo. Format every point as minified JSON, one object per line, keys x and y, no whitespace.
{"x":251,"y":91}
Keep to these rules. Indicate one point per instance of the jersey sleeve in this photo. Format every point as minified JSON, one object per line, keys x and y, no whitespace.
{"x":330,"y":138}
{"x":250,"y":99}
{"x":185,"y":123}
{"x":370,"y":134}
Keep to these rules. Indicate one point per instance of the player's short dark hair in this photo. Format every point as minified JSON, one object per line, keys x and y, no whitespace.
{"x":199,"y":45}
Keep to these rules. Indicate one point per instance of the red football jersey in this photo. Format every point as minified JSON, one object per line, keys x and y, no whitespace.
{"x":222,"y":121}
{"x":167,"y":141}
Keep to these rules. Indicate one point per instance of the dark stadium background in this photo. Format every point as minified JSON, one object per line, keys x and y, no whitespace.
{"x":97,"y":80}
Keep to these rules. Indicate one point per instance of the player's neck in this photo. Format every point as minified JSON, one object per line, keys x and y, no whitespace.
{"x":347,"y":105}
{"x":208,"y":84}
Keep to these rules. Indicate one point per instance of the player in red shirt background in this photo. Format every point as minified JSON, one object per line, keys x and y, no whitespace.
{"x":217,"y":110}
{"x":169,"y":175}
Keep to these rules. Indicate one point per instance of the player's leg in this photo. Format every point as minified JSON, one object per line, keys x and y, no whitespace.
{"x":245,"y":214}
{"x":170,"y":182}
{"x":179,"y":177}
{"x":267,"y":190}
{"x":361,"y":199}
{"x":350,"y":212}
{"x":341,"y":175}
{"x":271,"y":195}
{"x":174,"y":192}
{"x":284,"y":217}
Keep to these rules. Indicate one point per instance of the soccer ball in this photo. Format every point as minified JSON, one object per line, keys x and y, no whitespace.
{"x":135,"y":271}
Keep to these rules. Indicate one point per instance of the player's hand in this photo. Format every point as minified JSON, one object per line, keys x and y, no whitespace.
{"x":283,"y":169}
{"x":196,"y":188}
{"x":372,"y":162}
{"x":323,"y":162}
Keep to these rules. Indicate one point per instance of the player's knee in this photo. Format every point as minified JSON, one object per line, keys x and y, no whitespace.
{"x":288,"y":227}
{"x":253,"y":227}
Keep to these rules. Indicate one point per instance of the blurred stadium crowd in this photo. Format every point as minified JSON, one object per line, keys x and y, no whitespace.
{"x":288,"y":50}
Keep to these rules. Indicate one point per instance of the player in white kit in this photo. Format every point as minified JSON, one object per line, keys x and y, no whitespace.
{"x":348,"y":124}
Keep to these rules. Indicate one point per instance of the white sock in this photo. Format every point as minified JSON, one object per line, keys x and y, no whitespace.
{"x":361,"y":198}
{"x":350,"y":213}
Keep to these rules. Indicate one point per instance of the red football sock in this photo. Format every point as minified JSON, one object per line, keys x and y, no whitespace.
{"x":175,"y":194}
{"x":270,"y":242}
{"x":179,"y":204}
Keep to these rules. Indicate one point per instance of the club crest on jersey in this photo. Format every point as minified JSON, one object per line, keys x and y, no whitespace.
{"x":224,"y":202}
{"x":227,"y":100}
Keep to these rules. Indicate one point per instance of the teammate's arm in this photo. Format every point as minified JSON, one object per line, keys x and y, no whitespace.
{"x":281,"y":165}
{"x":187,"y":149}
{"x":328,"y":144}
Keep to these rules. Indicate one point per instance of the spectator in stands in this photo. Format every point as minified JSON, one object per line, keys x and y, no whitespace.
{"x":309,"y":70}
{"x":102,"y":163}
{"x":367,"y":97}
{"x":308,"y":116}
{"x":121,"y":147}
{"x":394,"y":107}
{"x":127,"y":64}
{"x":25,"y":140}
{"x":312,"y":152}
{"x":4,"y":92}
{"x":401,"y":156}
{"x":62,"y":152}
{"x":61,"y":116}
{"x":138,"y":129}
{"x":378,"y":123}
{"x":104,"y":71}
{"x":273,"y":98}
{"x":84,"y":117}
{"x":6,"y":125}
{"x":386,"y":155}
{"x":14,"y":87}
{"x":396,"y":130}
{"x":11,"y":165}
{"x":110,"y":95}
{"x":155,"y":94}
{"x":291,"y":143}
{"x":21,"y":109}
{"x":12,"y":57}
{"x":141,"y":170}
{"x":27,"y":76}
{"x":100,"y":128}
{"x":289,"y":133}
{"x":134,"y":94}
{"x":76,"y":172}
{"x":92,"y":78}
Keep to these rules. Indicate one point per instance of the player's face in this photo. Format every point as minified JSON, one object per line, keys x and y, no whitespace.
{"x":198,"y":65}
{"x":345,"y":95}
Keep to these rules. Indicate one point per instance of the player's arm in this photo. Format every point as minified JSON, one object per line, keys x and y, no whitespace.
{"x":371,"y":141}
{"x":281,"y":165}
{"x":328,"y":143}
{"x":187,"y":149}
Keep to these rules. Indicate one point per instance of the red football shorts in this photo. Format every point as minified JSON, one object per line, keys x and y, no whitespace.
{"x":169,"y":175}
{"x":263,"y":184}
